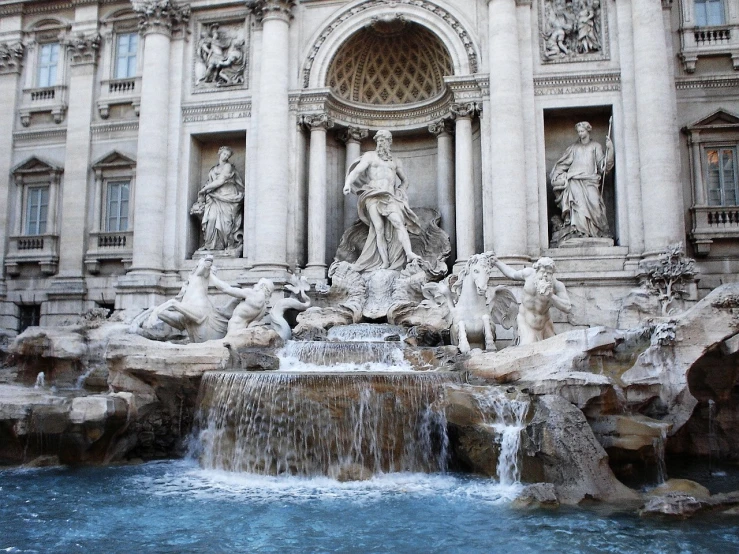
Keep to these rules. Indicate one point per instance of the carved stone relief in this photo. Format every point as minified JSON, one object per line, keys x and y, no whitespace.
{"x":221,"y":56}
{"x":11,"y":57}
{"x":84,"y":48}
{"x":572,"y":31}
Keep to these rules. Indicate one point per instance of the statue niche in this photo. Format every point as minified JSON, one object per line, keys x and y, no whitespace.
{"x":220,"y":208}
{"x":577,"y":179}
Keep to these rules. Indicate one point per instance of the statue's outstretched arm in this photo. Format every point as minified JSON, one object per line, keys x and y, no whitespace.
{"x":508,"y":271}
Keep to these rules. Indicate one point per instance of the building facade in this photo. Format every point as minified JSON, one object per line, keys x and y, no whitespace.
{"x":115,"y":114}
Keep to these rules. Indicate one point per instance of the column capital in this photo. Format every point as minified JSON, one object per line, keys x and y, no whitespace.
{"x":353,"y":134}
{"x":441,"y":127}
{"x":83,"y":48}
{"x":316,"y":122}
{"x":160,"y":16}
{"x":11,"y":57}
{"x":271,"y":9}
{"x":465,"y":110}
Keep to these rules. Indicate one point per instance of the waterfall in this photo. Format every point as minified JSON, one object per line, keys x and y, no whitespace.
{"x":508,"y":418}
{"x":365,"y":332}
{"x":342,"y":356}
{"x":659,"y":452}
{"x":40,"y":380}
{"x":321,"y":424}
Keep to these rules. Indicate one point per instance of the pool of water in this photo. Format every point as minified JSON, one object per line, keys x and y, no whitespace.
{"x":176,"y":507}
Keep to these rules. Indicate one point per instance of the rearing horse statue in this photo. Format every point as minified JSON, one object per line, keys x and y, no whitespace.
{"x":474,"y":306}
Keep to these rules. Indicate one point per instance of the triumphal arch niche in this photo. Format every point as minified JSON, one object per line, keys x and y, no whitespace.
{"x":410,"y":70}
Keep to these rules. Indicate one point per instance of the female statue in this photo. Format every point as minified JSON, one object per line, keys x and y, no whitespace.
{"x":220,"y":206}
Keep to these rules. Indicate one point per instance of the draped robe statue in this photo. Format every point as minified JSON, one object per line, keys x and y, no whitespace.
{"x":383,"y":207}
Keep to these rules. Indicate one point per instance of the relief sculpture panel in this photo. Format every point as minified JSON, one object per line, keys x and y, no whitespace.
{"x":572,"y":31}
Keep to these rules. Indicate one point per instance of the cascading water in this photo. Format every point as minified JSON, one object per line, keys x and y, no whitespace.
{"x":659,"y":452}
{"x":508,"y":418}
{"x":342,"y":356}
{"x":365,"y":332}
{"x":321,"y":424}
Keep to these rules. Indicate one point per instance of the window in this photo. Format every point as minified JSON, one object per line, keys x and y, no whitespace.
{"x":30,"y":316}
{"x":37,"y":210}
{"x":709,"y":13}
{"x":721,"y":176}
{"x":47,"y":64}
{"x":117,"y":206}
{"x":125,"y":55}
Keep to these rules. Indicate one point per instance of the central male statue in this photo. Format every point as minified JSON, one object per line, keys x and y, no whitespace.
{"x":383,"y":207}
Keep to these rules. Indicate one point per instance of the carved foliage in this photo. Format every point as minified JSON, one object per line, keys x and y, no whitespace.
{"x":572,"y":30}
{"x":84,"y":48}
{"x":160,"y":16}
{"x":11,"y":57}
{"x":667,"y":276}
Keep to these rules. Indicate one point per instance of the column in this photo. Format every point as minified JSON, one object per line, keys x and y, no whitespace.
{"x":74,"y":192}
{"x":157,"y":20}
{"x":317,"y":124}
{"x":11,"y":64}
{"x":352,"y":137}
{"x":662,"y":202}
{"x":445,"y":177}
{"x":464,"y":183}
{"x":508,"y":173}
{"x":272,"y":198}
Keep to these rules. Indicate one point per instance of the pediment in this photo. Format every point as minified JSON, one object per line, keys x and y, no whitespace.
{"x":720,"y":119}
{"x":35,"y":165}
{"x":113,"y":160}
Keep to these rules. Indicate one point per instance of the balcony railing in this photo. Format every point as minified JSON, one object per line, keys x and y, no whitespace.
{"x":119,"y":91}
{"x":32,"y":249}
{"x":44,"y":99}
{"x":108,"y":246}
{"x":711,"y":223}
{"x":709,"y":41}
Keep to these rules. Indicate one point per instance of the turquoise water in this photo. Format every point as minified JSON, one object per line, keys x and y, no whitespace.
{"x":176,"y":507}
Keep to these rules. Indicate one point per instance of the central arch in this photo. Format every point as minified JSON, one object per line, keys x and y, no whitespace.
{"x":447,"y":26}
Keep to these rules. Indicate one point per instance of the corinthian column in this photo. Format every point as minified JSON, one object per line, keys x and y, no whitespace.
{"x":352,"y":137}
{"x":317,"y":124}
{"x":662,"y":201}
{"x":272,"y":198}
{"x":464,"y":185}
{"x":157,"y":20}
{"x":445,"y":176}
{"x":11,"y":64}
{"x":508,"y":171}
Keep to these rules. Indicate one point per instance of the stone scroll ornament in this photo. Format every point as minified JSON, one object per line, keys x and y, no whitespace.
{"x":220,"y":207}
{"x":222,"y":54}
{"x":572,"y":30}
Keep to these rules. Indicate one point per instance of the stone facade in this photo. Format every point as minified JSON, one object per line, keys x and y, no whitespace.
{"x":114,"y":113}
